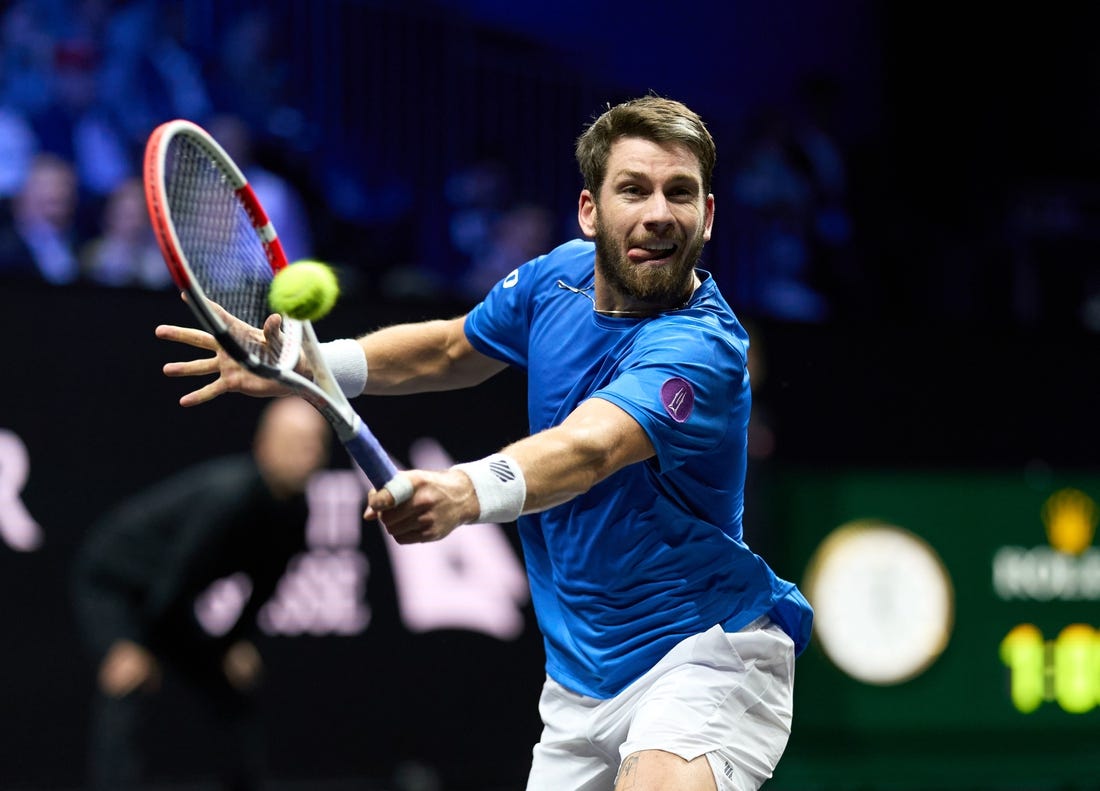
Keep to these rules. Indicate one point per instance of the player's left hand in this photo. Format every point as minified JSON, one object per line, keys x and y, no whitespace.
{"x":231,"y":376}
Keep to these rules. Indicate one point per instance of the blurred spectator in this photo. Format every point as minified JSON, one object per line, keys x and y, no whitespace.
{"x":489,"y":231}
{"x":825,"y":162}
{"x":126,"y":252}
{"x":50,"y":71}
{"x":75,"y":124}
{"x":18,"y":145}
{"x":774,"y":203}
{"x":278,"y":196}
{"x":836,"y":268}
{"x":793,"y":227}
{"x":27,"y":41}
{"x":251,"y":74}
{"x":40,"y":241}
{"x":143,"y":570}
{"x":515,"y":237}
{"x":476,"y":195}
{"x":148,"y":74}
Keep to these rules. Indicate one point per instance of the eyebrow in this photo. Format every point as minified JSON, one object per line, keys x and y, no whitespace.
{"x":640,"y":176}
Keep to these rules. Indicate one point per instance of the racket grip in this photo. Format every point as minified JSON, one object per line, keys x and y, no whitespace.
{"x":366,"y":451}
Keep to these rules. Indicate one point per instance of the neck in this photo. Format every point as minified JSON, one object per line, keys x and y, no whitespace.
{"x":639,"y":313}
{"x":631,"y":308}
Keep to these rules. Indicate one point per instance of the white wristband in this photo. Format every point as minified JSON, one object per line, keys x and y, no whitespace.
{"x":500,"y":487}
{"x":348,"y":363}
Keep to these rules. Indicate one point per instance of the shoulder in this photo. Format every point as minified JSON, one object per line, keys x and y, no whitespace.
{"x":572,"y":263}
{"x":576,"y":248}
{"x":707,"y":328}
{"x":572,"y":259}
{"x":228,"y":474}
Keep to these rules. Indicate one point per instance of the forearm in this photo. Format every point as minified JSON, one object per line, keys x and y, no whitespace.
{"x":563,"y":462}
{"x":105,"y":616}
{"x":534,"y":474}
{"x":558,"y":465}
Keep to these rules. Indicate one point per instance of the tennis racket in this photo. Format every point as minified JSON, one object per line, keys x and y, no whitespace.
{"x":223,"y":253}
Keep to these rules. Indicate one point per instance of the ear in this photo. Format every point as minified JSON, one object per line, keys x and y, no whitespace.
{"x":586,"y":213}
{"x":708,"y":219}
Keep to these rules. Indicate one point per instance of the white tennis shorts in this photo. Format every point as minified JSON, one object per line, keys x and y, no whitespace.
{"x":728,"y":696}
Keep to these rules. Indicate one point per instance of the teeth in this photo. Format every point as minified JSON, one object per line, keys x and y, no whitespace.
{"x":657,"y":248}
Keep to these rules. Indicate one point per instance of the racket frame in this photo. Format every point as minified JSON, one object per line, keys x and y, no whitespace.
{"x":322,"y":392}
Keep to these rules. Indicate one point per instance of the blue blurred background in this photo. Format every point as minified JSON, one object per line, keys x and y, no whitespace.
{"x":908,"y":220}
{"x":876,"y":160}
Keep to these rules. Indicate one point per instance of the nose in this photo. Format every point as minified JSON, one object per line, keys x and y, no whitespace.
{"x":658,"y":213}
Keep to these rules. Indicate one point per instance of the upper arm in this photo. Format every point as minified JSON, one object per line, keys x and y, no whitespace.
{"x":689,"y":394}
{"x":425,"y":356}
{"x":468,"y":366}
{"x":609,"y":435}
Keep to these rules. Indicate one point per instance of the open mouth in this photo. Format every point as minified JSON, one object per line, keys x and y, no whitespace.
{"x":652,"y":252}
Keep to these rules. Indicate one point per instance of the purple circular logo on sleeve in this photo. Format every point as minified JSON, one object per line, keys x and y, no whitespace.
{"x":678,"y":398}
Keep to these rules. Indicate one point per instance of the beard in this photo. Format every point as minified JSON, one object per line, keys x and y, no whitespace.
{"x":665,"y":286}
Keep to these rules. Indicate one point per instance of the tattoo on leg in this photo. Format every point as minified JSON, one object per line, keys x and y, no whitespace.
{"x":624,"y":781}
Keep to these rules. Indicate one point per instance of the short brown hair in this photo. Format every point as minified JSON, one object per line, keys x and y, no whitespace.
{"x":650,"y":118}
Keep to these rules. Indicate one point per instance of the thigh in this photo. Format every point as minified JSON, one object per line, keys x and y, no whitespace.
{"x":562,"y":765}
{"x":655,"y":770}
{"x":731,"y":701}
{"x":565,"y":758}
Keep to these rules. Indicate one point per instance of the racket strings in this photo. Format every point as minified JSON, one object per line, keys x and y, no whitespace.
{"x":226,"y":256}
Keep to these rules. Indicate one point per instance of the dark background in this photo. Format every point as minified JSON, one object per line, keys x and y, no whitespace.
{"x":959,"y":339}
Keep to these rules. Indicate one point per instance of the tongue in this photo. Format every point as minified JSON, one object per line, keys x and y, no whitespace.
{"x":640,"y":254}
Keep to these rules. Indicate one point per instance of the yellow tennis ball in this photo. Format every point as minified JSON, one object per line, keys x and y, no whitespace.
{"x":304,"y":290}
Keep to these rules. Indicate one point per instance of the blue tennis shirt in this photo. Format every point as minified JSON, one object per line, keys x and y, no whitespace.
{"x":654,"y":553}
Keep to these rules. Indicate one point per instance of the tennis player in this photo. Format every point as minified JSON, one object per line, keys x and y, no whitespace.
{"x":670,"y":645}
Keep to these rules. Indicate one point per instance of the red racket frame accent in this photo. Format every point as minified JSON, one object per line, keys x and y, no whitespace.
{"x":155,"y":198}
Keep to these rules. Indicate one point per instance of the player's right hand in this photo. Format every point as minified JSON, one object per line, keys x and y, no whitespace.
{"x":440,"y":501}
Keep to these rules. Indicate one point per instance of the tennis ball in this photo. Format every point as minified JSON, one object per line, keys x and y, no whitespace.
{"x":304,"y":290}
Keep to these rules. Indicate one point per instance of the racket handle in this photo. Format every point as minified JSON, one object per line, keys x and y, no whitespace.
{"x":369,"y":455}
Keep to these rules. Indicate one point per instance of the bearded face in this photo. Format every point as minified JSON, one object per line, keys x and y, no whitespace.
{"x":649,"y":222}
{"x":664,"y":282}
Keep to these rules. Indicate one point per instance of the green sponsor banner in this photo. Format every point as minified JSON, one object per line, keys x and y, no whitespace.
{"x":957,"y":633}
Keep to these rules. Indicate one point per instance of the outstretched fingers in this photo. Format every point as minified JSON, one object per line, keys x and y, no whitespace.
{"x":230,"y":375}
{"x":187,"y":335}
{"x":205,"y":393}
{"x":206,"y":366}
{"x":218,"y":364}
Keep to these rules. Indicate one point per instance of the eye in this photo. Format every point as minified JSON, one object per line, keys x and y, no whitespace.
{"x":681,"y":194}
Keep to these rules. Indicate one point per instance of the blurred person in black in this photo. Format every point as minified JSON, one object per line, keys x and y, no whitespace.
{"x":144,"y":564}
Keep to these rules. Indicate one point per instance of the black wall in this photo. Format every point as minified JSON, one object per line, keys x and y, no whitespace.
{"x":84,"y":393}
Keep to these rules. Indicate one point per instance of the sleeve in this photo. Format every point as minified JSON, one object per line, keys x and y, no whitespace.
{"x":499,"y":326}
{"x":104,"y":611}
{"x":266,"y":553}
{"x":686,"y":389}
{"x":190,"y":565}
{"x":196,"y":554}
{"x":120,"y":562}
